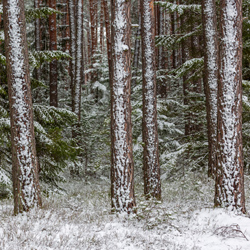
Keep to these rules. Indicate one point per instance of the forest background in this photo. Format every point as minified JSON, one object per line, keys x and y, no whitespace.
{"x":62,"y":104}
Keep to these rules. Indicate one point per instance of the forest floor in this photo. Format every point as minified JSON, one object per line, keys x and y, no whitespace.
{"x":81,"y":219}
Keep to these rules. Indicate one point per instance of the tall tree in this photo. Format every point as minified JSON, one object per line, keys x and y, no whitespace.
{"x":37,"y":37}
{"x":122,"y":165}
{"x":211,"y":77}
{"x":53,"y":64}
{"x":24,"y":160}
{"x":151,"y":166}
{"x":229,"y":187}
{"x":77,"y":84}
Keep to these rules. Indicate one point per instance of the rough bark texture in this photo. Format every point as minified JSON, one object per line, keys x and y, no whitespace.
{"x":151,"y":167}
{"x":108,"y":37}
{"x":72,"y":24}
{"x":210,"y":78}
{"x":229,"y":186}
{"x":122,"y":169}
{"x":93,"y":22}
{"x":77,"y":85}
{"x":24,"y":161}
{"x":53,"y":64}
{"x":37,"y":38}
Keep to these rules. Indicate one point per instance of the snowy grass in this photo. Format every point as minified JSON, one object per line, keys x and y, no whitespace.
{"x":81,"y":219}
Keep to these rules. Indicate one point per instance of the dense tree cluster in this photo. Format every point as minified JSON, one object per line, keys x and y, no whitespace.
{"x":124,"y":90}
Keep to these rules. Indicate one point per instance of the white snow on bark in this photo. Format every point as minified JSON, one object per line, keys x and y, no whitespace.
{"x":151,"y":145}
{"x":78,"y":60}
{"x":23,"y":138}
{"x":212,"y":67}
{"x":231,"y":104}
{"x":121,"y":107}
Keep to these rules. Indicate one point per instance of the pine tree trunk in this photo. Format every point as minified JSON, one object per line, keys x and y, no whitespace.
{"x":77,"y":85}
{"x":151,"y":167}
{"x":72,"y":24}
{"x":24,"y":160}
{"x":37,"y":38}
{"x":122,"y":169}
{"x":229,"y":187}
{"x":53,"y":64}
{"x":137,"y":48}
{"x":108,"y":38}
{"x":211,"y":78}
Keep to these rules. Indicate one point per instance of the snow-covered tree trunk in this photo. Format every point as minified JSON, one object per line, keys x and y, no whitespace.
{"x":24,"y":160}
{"x":78,"y":79}
{"x":122,"y":168}
{"x":211,"y":78}
{"x":151,"y":167}
{"x":229,"y":187}
{"x":53,"y":64}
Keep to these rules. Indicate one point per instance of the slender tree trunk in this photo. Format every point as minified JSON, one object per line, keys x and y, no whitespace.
{"x":53,"y":64}
{"x":137,"y":47}
{"x":24,"y":160}
{"x":67,"y":30}
{"x":229,"y":186}
{"x":122,"y":169}
{"x":93,"y":22}
{"x":101,"y":25}
{"x":151,"y":167}
{"x":37,"y":38}
{"x":72,"y":24}
{"x":77,"y":85}
{"x":108,"y":38}
{"x":211,"y":78}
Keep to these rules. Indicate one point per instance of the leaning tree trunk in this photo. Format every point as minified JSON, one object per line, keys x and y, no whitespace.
{"x":24,"y":160}
{"x":229,"y":186}
{"x":151,"y":166}
{"x":53,"y":64}
{"x":122,"y":169}
{"x":211,"y":78}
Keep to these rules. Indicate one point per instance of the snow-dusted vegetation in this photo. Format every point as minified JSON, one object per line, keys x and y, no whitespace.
{"x":81,"y":218}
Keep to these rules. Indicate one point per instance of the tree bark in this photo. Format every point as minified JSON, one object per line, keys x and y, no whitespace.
{"x":151,"y":166}
{"x":37,"y":38}
{"x":229,"y":187}
{"x":24,"y":160}
{"x":53,"y":64}
{"x":108,"y":38}
{"x":122,"y":169}
{"x":210,"y":78}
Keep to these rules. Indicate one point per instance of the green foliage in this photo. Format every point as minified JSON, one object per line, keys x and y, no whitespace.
{"x":42,"y":12}
{"x":37,"y":58}
{"x":179,"y":8}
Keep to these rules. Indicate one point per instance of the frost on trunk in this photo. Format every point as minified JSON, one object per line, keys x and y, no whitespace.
{"x":24,"y":161}
{"x":229,"y":187}
{"x":108,"y":37}
{"x":211,"y":78}
{"x":151,"y":167}
{"x":53,"y":64}
{"x":122,"y":169}
{"x":78,"y":60}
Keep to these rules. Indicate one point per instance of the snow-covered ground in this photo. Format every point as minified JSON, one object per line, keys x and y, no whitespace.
{"x":81,"y":219}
